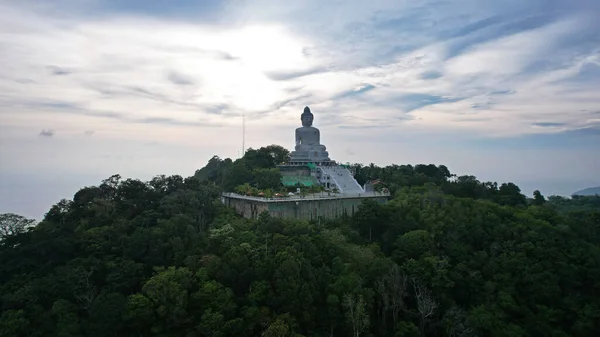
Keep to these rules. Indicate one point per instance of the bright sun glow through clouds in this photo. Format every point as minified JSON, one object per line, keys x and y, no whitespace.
{"x":502,"y":90}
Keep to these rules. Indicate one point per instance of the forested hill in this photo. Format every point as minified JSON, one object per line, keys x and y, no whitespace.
{"x":588,"y":191}
{"x":447,"y":256}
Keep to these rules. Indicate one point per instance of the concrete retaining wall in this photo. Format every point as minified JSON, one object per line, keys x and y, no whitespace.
{"x":308,"y":209}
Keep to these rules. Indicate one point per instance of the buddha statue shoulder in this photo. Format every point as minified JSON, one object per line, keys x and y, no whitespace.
{"x":308,"y":137}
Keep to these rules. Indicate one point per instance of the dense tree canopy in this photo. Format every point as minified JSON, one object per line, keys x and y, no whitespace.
{"x":446,"y":256}
{"x":252,"y":168}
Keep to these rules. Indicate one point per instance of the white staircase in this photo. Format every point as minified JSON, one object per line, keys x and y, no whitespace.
{"x":342,"y":178}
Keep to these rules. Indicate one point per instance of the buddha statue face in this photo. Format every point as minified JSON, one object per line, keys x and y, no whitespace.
{"x":307,"y":117}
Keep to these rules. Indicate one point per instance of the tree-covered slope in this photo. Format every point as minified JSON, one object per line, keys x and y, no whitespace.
{"x":447,"y":256}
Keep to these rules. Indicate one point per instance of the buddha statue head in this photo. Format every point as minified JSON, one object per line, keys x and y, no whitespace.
{"x":307,"y":117}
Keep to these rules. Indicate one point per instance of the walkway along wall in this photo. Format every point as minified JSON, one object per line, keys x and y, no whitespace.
{"x":299,"y":208}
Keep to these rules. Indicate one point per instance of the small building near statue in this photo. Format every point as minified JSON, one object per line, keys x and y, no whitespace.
{"x":309,"y":166}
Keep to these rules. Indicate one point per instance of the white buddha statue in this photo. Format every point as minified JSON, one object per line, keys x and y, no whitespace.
{"x":307,"y":136}
{"x":308,"y":145}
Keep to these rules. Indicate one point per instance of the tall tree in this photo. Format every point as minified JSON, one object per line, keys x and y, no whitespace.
{"x":356,"y":313}
{"x":13,"y":224}
{"x":426,"y":304}
{"x":538,"y":198}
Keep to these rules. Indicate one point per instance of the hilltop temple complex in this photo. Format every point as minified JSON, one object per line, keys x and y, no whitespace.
{"x":309,"y":166}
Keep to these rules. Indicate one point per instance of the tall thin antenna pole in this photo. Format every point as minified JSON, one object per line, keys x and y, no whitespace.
{"x":243,"y":133}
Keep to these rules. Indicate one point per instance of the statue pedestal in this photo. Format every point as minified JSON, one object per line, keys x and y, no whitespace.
{"x":309,"y":156}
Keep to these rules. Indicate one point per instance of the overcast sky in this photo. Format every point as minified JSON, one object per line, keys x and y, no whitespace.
{"x":504,"y":90}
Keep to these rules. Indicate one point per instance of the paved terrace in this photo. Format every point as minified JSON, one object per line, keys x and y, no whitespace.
{"x":316,"y":196}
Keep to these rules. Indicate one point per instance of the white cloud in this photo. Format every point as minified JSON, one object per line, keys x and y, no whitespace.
{"x":124,"y":65}
{"x":512,"y":54}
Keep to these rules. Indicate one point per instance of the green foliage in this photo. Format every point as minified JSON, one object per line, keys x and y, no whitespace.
{"x":267,"y":178}
{"x":13,"y":323}
{"x":575,"y":203}
{"x":538,"y":198}
{"x":447,"y":256}
{"x":13,"y":224}
{"x":216,"y":170}
{"x":407,"y":329}
{"x":256,"y":168}
{"x":238,"y":175}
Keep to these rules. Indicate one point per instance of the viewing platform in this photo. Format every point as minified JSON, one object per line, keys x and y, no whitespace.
{"x":309,"y":207}
{"x":315,"y":196}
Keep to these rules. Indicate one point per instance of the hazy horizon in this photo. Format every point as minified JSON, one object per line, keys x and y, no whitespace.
{"x":30,"y":194}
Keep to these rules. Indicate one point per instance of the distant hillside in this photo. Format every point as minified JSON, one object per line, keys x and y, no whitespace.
{"x":588,"y":191}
